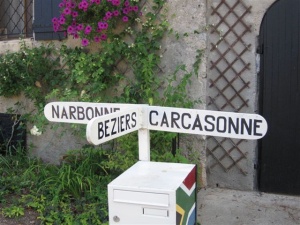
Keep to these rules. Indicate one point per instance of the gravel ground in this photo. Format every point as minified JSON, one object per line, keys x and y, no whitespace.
{"x":230,"y":207}
{"x":223,"y":207}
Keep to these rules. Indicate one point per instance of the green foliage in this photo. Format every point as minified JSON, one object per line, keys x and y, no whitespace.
{"x":13,"y":211}
{"x":75,"y":191}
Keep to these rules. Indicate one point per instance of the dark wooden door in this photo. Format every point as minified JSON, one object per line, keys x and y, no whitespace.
{"x":279,"y":150}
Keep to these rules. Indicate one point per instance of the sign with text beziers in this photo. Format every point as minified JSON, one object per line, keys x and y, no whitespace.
{"x":108,"y":127}
{"x":206,"y":122}
{"x":79,"y":112}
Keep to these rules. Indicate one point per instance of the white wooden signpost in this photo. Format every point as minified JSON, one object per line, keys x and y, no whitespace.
{"x":153,"y":192}
{"x":106,"y":121}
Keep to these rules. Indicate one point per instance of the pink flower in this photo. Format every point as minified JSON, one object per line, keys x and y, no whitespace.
{"x":108,"y":14}
{"x":85,"y":4}
{"x":70,"y":30}
{"x":97,"y":1}
{"x":56,"y":27}
{"x":103,"y":25}
{"x":68,"y":4}
{"x":67,"y":11}
{"x":62,"y":20}
{"x":125,"y":18}
{"x":80,"y":27}
{"x":60,"y":5}
{"x":116,"y":2}
{"x":97,"y":39}
{"x":84,"y":42}
{"x":75,"y":36}
{"x":74,"y":14}
{"x":88,"y":29}
{"x":135,"y":8}
{"x":126,"y":3}
{"x":54,"y":20}
{"x":126,"y":10}
{"x":116,"y":13}
{"x":103,"y":37}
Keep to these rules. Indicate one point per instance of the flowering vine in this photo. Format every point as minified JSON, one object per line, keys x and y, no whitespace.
{"x":94,"y":20}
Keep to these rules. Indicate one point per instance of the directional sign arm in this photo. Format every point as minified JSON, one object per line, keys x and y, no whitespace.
{"x":206,"y":122}
{"x":108,"y":127}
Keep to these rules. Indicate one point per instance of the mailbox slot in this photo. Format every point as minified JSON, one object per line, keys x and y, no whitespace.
{"x":141,"y":198}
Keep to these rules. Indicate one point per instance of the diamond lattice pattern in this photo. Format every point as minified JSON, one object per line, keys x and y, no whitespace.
{"x":228,"y":76}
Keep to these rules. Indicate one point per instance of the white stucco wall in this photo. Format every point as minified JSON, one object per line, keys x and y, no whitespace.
{"x":185,"y":17}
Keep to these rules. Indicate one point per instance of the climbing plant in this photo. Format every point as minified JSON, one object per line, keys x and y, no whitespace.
{"x":125,"y":67}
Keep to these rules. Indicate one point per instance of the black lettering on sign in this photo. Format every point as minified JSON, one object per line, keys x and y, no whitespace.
{"x":221,"y":124}
{"x":188,"y":126}
{"x":117,"y":125}
{"x":89,"y":113}
{"x":64,"y":114}
{"x":55,"y":111}
{"x":121,"y":123}
{"x":164,"y":120}
{"x":98,"y":112}
{"x":209,"y":120}
{"x":72,"y":110}
{"x":113,"y":132}
{"x":150,"y":117}
{"x":106,"y":111}
{"x":246,"y":126}
{"x":100,"y":130}
{"x":257,"y":126}
{"x":80,"y":113}
{"x":106,"y":128}
{"x":174,"y":118}
{"x":127,"y":121}
{"x":197,"y":124}
{"x":133,"y":118}
{"x":232,"y":125}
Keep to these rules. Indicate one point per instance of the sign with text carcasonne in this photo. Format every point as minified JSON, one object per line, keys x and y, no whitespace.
{"x":206,"y":122}
{"x":179,"y":120}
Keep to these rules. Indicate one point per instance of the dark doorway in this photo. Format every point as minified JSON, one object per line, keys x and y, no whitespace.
{"x":12,"y":134}
{"x":279,"y":152}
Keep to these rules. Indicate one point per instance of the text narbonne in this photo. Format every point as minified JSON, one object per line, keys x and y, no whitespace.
{"x":81,"y":113}
{"x":205,"y":124}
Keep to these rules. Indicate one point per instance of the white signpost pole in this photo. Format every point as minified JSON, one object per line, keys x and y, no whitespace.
{"x":144,"y":136}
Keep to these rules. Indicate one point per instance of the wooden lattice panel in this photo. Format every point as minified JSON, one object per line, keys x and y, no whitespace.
{"x":227,"y":81}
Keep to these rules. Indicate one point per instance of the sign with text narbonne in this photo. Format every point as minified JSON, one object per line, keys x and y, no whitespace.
{"x":108,"y":127}
{"x":79,"y":112}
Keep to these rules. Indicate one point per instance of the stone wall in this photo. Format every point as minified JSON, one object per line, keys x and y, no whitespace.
{"x":200,"y":25}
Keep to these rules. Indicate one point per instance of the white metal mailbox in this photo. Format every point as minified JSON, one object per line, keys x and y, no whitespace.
{"x":154,"y":193}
